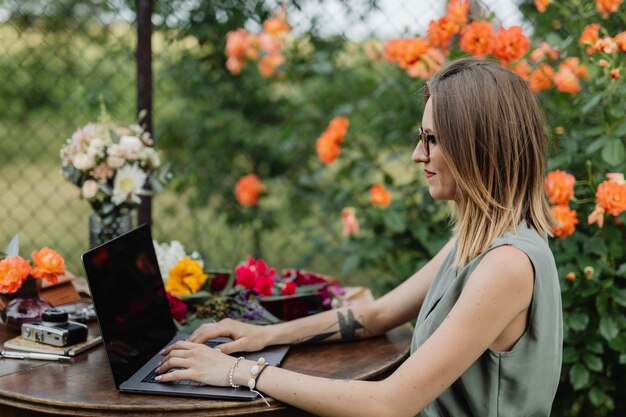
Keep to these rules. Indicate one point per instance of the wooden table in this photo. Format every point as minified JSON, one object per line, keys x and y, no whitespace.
{"x":84,"y":387}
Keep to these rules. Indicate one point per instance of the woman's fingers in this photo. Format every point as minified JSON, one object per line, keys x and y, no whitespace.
{"x":210,"y":331}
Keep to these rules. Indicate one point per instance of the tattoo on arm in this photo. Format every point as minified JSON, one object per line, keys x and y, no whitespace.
{"x":347,"y":329}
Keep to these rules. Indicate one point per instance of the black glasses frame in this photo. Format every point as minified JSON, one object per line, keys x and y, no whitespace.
{"x":425,"y":138}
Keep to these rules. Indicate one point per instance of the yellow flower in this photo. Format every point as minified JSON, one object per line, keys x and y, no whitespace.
{"x":186,"y":277}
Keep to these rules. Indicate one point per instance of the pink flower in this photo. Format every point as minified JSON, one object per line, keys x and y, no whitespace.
{"x":245,"y":277}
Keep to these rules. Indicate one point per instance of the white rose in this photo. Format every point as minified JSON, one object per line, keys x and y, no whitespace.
{"x":89,"y":189}
{"x":96,"y":148}
{"x":115,"y":161}
{"x":83,"y":162}
{"x":131,"y":145}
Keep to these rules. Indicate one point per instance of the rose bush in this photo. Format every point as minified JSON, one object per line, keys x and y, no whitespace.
{"x":356,"y":178}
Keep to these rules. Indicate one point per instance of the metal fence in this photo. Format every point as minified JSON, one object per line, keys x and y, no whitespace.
{"x":60,"y":59}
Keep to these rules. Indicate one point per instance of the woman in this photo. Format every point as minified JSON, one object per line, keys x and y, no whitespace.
{"x":488,"y":336}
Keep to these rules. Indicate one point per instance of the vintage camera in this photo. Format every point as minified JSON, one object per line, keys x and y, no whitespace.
{"x":55,"y":329}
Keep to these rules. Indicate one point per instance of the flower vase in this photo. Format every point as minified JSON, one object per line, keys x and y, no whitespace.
{"x":102,"y":230}
{"x":25,"y":306}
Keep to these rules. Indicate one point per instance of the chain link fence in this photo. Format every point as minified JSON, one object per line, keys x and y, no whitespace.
{"x":61,"y":59}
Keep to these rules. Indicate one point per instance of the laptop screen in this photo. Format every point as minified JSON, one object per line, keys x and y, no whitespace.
{"x":130,"y":300}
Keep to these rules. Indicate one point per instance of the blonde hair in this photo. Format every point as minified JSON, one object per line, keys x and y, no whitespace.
{"x":490,"y":130}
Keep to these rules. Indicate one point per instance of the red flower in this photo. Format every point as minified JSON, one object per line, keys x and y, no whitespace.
{"x":289,"y":288}
{"x":264,"y":285}
{"x":177,"y":307}
{"x":218,"y":282}
{"x":245,"y":277}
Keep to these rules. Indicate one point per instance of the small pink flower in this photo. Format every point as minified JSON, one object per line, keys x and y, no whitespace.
{"x":597,"y":216}
{"x":289,"y":288}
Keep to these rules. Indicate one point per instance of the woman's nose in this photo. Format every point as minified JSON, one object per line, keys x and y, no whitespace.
{"x":418,"y":154}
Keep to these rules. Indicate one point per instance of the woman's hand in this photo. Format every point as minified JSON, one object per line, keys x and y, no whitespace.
{"x":194,"y":361}
{"x":246,"y":337}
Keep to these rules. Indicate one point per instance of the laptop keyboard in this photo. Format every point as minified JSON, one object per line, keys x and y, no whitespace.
{"x":150,"y":378}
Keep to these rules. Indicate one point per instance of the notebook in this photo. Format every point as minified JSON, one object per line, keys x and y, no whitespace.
{"x":25,"y":345}
{"x":135,"y":319}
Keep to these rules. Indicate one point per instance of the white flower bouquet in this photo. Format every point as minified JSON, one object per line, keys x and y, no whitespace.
{"x":111,"y":165}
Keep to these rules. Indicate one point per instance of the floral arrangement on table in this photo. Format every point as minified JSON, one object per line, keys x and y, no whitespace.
{"x":111,"y":165}
{"x":255,"y":293}
{"x":45,"y":264}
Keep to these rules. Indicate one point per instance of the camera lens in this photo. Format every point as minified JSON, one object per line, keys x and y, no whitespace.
{"x":54,"y":317}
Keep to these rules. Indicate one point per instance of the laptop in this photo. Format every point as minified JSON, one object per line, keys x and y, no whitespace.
{"x":136,"y":322}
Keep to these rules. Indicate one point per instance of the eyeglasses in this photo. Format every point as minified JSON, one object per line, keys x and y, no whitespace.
{"x":426,"y":139}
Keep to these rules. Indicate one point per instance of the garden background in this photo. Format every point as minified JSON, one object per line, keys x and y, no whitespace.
{"x":264,"y":105}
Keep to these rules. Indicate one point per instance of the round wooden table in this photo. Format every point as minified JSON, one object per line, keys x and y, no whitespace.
{"x":84,"y":386}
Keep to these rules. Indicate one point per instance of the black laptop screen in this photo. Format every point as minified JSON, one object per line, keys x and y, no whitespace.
{"x":130,"y":300}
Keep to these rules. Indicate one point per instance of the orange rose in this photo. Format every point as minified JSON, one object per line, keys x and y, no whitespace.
{"x":559,"y":186}
{"x":614,"y":73}
{"x":606,"y":44}
{"x":48,"y":265}
{"x":457,"y":11}
{"x":542,"y":5}
{"x":566,"y":81}
{"x":606,"y":7}
{"x":589,"y":36}
{"x":268,"y":65}
{"x":427,"y":65}
{"x":440,"y":31}
{"x":350,"y":222}
{"x":566,"y":220}
{"x":511,"y":44}
{"x":577,"y":68}
{"x":276,"y":26}
{"x":405,"y":52}
{"x":327,"y":148}
{"x":544,"y":50}
{"x":478,"y":38}
{"x":522,"y":69}
{"x":13,"y":271}
{"x":380,"y":196}
{"x":327,"y":144}
{"x":248,"y":190}
{"x":541,"y":78}
{"x":339,"y":126}
{"x":611,"y":196}
{"x":620,"y":40}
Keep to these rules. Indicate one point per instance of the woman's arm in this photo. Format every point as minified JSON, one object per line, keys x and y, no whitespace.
{"x":348,"y":323}
{"x":498,"y":290}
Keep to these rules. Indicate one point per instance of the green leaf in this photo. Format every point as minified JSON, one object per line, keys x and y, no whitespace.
{"x":570,"y":355}
{"x":596,"y":396}
{"x":350,"y":263}
{"x":593,"y":362}
{"x":395,"y":220}
{"x":621,"y":271}
{"x":596,"y":145}
{"x":614,"y":152}
{"x":620,"y":131}
{"x":608,"y":328}
{"x":595,"y":347}
{"x":578,"y":376}
{"x":619,"y":295}
{"x":578,"y":321}
{"x":622,"y":359}
{"x":591,"y":103}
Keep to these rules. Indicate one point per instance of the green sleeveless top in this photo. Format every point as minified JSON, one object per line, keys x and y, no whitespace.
{"x":522,"y":381}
